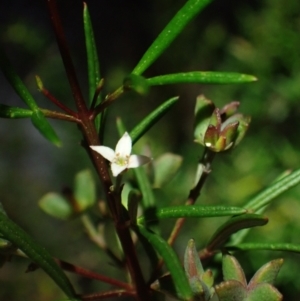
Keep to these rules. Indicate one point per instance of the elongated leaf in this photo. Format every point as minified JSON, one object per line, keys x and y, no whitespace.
{"x":16,"y":82}
{"x":169,"y":33}
{"x":237,"y":238}
{"x":198,"y":77}
{"x":265,"y":197}
{"x":172,"y":262}
{"x":195,"y":211}
{"x":37,"y":117}
{"x":153,"y":258}
{"x":41,"y":123}
{"x":233,"y":225}
{"x":140,"y":129}
{"x":265,"y":246}
{"x":35,"y":252}
{"x":91,"y":50}
{"x":121,"y":127}
{"x":14,"y":112}
{"x":148,"y":199}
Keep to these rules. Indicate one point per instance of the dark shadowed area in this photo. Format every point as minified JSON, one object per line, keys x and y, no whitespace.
{"x":261,"y":38}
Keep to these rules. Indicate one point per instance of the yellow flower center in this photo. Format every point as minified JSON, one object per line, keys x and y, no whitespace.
{"x":122,"y":161}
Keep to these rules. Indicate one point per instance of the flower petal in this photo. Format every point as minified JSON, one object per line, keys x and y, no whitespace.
{"x":116,"y":169}
{"x":104,"y":151}
{"x":137,"y":160}
{"x":124,"y":145}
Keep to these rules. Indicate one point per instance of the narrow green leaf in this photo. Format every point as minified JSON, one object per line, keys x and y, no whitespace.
{"x":148,"y":199}
{"x":35,"y":252}
{"x":172,"y":263}
{"x":93,"y":65}
{"x":41,"y":123}
{"x":120,"y":127}
{"x":233,"y":225}
{"x":16,"y":82}
{"x":37,"y":117}
{"x":140,"y":129}
{"x":266,"y":196}
{"x":92,"y":56}
{"x":194,"y":211}
{"x":237,"y":238}
{"x":198,"y":77}
{"x":190,"y":9}
{"x":165,"y":168}
{"x":134,"y":198}
{"x":136,"y":83}
{"x":153,"y":258}
{"x":56,"y":205}
{"x":84,"y":190}
{"x":265,"y":246}
{"x":14,"y":112}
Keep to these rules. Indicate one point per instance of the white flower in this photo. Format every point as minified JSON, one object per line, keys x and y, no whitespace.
{"x":120,"y":158}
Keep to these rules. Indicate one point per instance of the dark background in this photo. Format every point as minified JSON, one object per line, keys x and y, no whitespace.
{"x":255,"y":37}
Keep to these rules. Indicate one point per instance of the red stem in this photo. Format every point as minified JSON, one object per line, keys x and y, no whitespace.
{"x":92,"y":275}
{"x":106,"y":295}
{"x":66,"y":57}
{"x":59,"y":115}
{"x":97,"y":93}
{"x":91,"y":138}
{"x":58,"y":103}
{"x":84,"y":273}
{"x":121,"y":223}
{"x":107,"y":102}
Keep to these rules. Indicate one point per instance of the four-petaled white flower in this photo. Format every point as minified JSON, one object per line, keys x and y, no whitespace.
{"x":120,"y":158}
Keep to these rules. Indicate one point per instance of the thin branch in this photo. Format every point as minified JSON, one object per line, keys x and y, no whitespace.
{"x":91,"y":138}
{"x":59,"y":115}
{"x":97,"y":92}
{"x":92,"y":275}
{"x":54,"y":100}
{"x":78,"y":271}
{"x":107,"y":102}
{"x":66,"y":57}
{"x":114,"y":203}
{"x":205,"y":169}
{"x":106,"y":295}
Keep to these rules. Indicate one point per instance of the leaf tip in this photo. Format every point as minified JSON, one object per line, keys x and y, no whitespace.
{"x":39,"y":83}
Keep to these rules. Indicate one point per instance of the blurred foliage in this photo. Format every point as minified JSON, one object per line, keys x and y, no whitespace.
{"x":255,"y":37}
